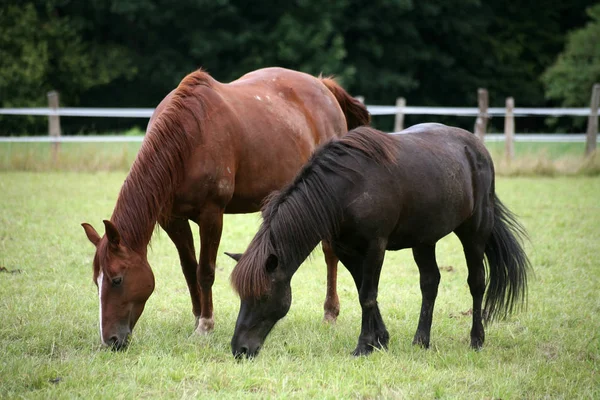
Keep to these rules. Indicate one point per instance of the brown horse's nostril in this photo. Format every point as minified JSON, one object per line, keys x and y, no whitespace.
{"x":117,"y":344}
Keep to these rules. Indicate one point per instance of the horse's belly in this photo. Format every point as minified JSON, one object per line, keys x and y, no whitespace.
{"x":241,"y":205}
{"x":429,"y":225}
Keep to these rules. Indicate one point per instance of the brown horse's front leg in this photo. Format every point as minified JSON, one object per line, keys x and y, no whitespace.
{"x":211,"y":226}
{"x":180,"y":233}
{"x":332,"y":302}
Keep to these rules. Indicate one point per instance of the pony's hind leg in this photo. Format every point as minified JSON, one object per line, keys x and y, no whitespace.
{"x":332,"y":302}
{"x":474,"y":247}
{"x":180,"y":233}
{"x":429,"y":280}
{"x":211,"y":227}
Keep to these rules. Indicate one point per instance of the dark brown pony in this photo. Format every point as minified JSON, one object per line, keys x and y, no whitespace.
{"x":369,"y":192}
{"x":211,"y":148}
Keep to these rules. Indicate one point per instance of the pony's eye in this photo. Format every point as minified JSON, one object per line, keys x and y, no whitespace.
{"x":117,"y":281}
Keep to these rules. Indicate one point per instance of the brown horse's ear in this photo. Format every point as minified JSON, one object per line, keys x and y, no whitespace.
{"x":235,"y":256}
{"x":111,"y":232}
{"x":91,"y":233}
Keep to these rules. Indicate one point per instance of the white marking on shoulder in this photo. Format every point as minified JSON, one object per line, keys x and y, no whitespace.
{"x":257,"y":97}
{"x":99,"y":281}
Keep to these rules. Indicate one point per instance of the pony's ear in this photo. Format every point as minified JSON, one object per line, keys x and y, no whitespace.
{"x":111,"y":232}
{"x":235,"y":256}
{"x":91,"y":233}
{"x":271,"y":263}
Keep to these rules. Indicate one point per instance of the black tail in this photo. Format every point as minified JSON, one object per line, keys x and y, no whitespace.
{"x":507,"y":264}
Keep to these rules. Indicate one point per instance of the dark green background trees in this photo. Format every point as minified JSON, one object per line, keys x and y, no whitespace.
{"x":131,"y":53}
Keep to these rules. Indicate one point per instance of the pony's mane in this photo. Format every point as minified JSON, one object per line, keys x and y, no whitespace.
{"x":308,"y":210}
{"x":148,"y":190}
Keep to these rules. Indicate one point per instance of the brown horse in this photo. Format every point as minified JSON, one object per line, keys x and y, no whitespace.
{"x":211,"y":148}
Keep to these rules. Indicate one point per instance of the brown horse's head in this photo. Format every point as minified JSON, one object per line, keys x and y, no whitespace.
{"x":125,"y":281}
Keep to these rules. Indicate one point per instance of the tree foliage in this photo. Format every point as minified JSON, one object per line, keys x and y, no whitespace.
{"x":131,"y":53}
{"x":41,"y":50}
{"x":570,"y":79}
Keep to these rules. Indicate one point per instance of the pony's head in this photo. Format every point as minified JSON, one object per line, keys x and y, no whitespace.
{"x":265,"y":299}
{"x":125,"y":281}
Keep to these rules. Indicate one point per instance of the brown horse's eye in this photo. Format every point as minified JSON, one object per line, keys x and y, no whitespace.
{"x":117,"y":281}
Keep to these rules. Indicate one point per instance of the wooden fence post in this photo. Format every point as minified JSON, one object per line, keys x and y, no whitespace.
{"x":592,"y":128}
{"x":482,"y":117}
{"x":54,"y":123}
{"x":399,"y":121}
{"x":509,"y":129}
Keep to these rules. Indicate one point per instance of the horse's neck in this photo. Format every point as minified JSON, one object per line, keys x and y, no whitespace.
{"x":136,"y":214}
{"x":296,"y":251}
{"x":147,"y":194}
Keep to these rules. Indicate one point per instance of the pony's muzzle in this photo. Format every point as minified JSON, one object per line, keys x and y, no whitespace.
{"x":244,"y":351}
{"x":239,"y":353}
{"x":241,"y":349}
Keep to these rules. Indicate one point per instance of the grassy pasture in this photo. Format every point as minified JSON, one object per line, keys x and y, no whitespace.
{"x":49,"y":342}
{"x":531,"y":159}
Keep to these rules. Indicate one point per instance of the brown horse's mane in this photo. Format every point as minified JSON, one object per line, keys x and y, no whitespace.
{"x":148,"y":190}
{"x":309,"y":209}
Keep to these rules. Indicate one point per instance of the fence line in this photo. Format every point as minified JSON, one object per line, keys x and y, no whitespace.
{"x":373,"y":109}
{"x":82,"y":112}
{"x":493,"y":137}
{"x":482,"y":113}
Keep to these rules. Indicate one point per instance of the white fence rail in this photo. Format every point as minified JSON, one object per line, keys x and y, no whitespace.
{"x":373,"y":109}
{"x":81,"y":112}
{"x":474,"y":111}
{"x":493,"y":137}
{"x":482,"y":113}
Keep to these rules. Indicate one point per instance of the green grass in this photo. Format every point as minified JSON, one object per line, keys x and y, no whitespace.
{"x":49,"y":341}
{"x":531,"y":159}
{"x":544,"y":159}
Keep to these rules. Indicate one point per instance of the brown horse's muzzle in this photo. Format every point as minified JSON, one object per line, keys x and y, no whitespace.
{"x":119,"y":340}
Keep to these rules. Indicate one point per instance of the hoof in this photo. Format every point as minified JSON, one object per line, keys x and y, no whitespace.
{"x":330,"y":318}
{"x":421,"y":342}
{"x":204,"y":326}
{"x":365,"y":348}
{"x":476,"y":344}
{"x":358,"y":352}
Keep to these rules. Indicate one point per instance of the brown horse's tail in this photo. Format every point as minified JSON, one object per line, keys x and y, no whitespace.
{"x":356,"y":113}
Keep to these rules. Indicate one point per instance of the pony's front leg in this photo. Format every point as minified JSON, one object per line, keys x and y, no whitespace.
{"x":373,"y":333}
{"x":211,"y":226}
{"x":429,"y":280}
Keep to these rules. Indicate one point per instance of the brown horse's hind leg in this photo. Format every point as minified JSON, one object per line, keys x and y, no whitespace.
{"x":211,"y":226}
{"x":332,"y":303}
{"x":429,"y":280}
{"x":180,"y":233}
